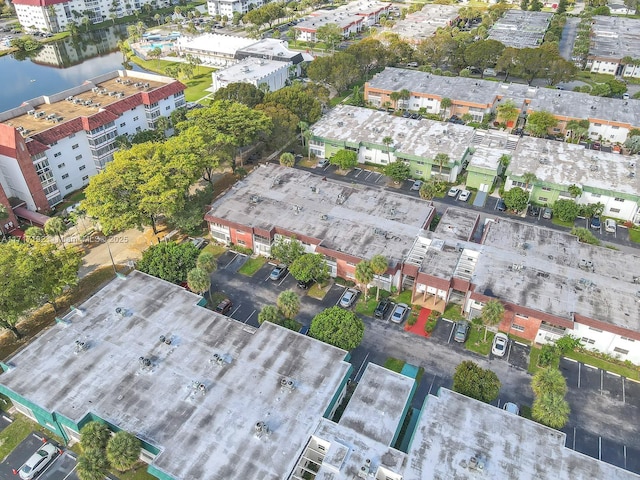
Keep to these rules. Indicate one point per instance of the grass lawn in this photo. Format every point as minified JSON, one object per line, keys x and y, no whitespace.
{"x":366,"y":308}
{"x":215,"y":248}
{"x":533,"y":361}
{"x":317,"y":292}
{"x":404,"y":297}
{"x":394,"y":364}
{"x":557,"y":221}
{"x":138,"y":472}
{"x":252,"y":265}
{"x":625,"y":371}
{"x":634,"y":235}
{"x":20,"y":429}
{"x":476,"y":342}
{"x":453,"y":312}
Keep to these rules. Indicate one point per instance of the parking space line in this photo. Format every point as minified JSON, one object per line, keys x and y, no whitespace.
{"x":624,"y":453}
{"x":450,"y":335}
{"x":283,"y":279}
{"x":579,"y":372}
{"x":570,"y":360}
{"x":232,"y":260}
{"x":623,"y":392}
{"x":599,"y":448}
{"x":574,"y":438}
{"x":249,"y":317}
{"x":431,"y":386}
{"x":237,"y":308}
{"x":355,"y":378}
{"x":590,"y":366}
{"x":601,"y":382}
{"x":367,"y":177}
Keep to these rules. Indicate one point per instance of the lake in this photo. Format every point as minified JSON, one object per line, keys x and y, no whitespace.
{"x":59,"y":65}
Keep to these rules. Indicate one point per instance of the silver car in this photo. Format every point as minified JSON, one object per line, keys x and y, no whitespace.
{"x":348,"y":297}
{"x":38,"y":461}
{"x":399,"y":313}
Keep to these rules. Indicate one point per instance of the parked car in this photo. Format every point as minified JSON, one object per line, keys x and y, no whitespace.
{"x":278,"y":272}
{"x":412,"y":64}
{"x":38,"y":461}
{"x":595,"y":223}
{"x":499,"y":346}
{"x":399,"y":313}
{"x":198,"y":242}
{"x":511,"y":408}
{"x":416,"y":116}
{"x":610,"y":225}
{"x":323,"y":163}
{"x":348,"y":297}
{"x":547,"y":213}
{"x":464,"y":196}
{"x":453,"y":192}
{"x":382,"y":308}
{"x":416,"y":185}
{"x":534,"y":211}
{"x":462,"y":329}
{"x":304,"y":330}
{"x":224,"y":306}
{"x":596,"y":146}
{"x":501,"y":206}
{"x":406,"y":114}
{"x":305,"y":285}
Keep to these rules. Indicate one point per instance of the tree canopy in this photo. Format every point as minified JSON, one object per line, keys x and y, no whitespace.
{"x":287,"y":250}
{"x":566,"y":210}
{"x":473,"y":381}
{"x":169,"y":261}
{"x":123,"y":450}
{"x":539,"y":123}
{"x":339,"y":327}
{"x":516,"y":199}
{"x":310,"y":266}
{"x":344,"y":159}
{"x":240,"y":92}
{"x":303,"y":101}
{"x":398,"y":171}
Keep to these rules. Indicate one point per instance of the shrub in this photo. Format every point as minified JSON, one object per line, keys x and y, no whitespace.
{"x":548,"y":355}
{"x":412,"y":320}
{"x":123,"y":451}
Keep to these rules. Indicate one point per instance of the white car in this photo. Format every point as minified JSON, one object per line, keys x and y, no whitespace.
{"x":399,"y":313}
{"x":453,"y":192}
{"x":511,"y":408}
{"x":348,"y":297}
{"x":610,"y":225}
{"x":499,"y":347}
{"x":323,"y":163}
{"x":464,"y":196}
{"x":416,"y":185}
{"x":38,"y":461}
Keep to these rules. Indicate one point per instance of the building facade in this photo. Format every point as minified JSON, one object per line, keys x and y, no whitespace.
{"x":52,"y":145}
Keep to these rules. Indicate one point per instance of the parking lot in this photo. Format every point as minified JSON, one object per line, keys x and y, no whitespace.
{"x":61,"y":468}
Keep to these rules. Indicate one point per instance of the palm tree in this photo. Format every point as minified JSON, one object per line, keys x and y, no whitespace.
{"x":444,"y":104}
{"x":388,"y":141}
{"x":288,"y":303}
{"x":578,"y":128}
{"x":405,"y":95}
{"x":441,"y":159}
{"x":551,"y":409}
{"x":395,"y":96}
{"x":287,"y":159}
{"x":528,"y":178}
{"x":574,"y":190}
{"x":198,"y":280}
{"x":364,"y":276}
{"x":492,"y":314}
{"x":548,"y":380}
{"x":508,"y":111}
{"x":55,"y":226}
{"x":379,"y":265}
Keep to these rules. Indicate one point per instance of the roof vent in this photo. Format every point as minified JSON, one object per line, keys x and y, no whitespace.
{"x":261,"y":429}
{"x":81,"y":346}
{"x":121,"y":311}
{"x":255,"y":198}
{"x":287,"y":383}
{"x":198,"y":387}
{"x":166,"y":340}
{"x":145,"y":363}
{"x":297,"y":209}
{"x":218,"y":359}
{"x":341,"y":198}
{"x":324,"y":216}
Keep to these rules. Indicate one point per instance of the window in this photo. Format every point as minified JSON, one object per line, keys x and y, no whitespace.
{"x":72,"y":135}
{"x":621,"y":351}
{"x":597,"y":124}
{"x":123,"y":124}
{"x":617,"y":199}
{"x":595,"y":329}
{"x":79,"y":157}
{"x":242,"y":242}
{"x":57,"y":154}
{"x":82,"y":167}
{"x":587,"y":340}
{"x":68,"y":187}
{"x":65,"y":176}
{"x":168,"y":107}
{"x":627,"y":339}
{"x":546,"y":189}
{"x":419,"y":173}
{"x":615,"y":128}
{"x":543,"y":199}
{"x":351,"y":264}
{"x":519,"y":315}
{"x":614,"y":210}
{"x":75,"y":146}
{"x":85,"y":178}
{"x":517,"y":327}
{"x":61,"y":165}
{"x":53,"y":143}
{"x":138,"y":129}
{"x":135,"y":119}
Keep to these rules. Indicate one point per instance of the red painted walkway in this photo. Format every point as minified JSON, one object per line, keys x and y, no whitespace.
{"x":418,"y":327}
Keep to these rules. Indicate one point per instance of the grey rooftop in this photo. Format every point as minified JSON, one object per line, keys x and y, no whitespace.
{"x":245,"y":373}
{"x":453,"y":429}
{"x":421,"y":138}
{"x":357,"y":220}
{"x":521,"y":29}
{"x":565,"y":164}
{"x":249,"y":70}
{"x":550,"y":271}
{"x":614,"y":37}
{"x":420,"y":25}
{"x":489,"y":146}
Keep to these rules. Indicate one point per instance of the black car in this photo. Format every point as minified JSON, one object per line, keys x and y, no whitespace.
{"x":382,"y":308}
{"x":305,"y":284}
{"x":534,"y":211}
{"x":501,"y":206}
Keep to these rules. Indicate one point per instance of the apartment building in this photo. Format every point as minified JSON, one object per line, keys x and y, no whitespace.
{"x":521,"y":29}
{"x":55,"y":16}
{"x":52,"y":145}
{"x":613,"y":40}
{"x":421,"y":25}
{"x":609,"y":119}
{"x":228,"y":7}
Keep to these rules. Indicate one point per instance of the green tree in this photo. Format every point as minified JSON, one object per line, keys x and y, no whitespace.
{"x":483,"y":54}
{"x":344,"y":159}
{"x":55,"y":226}
{"x":508,"y":111}
{"x":330,"y":34}
{"x":240,"y":92}
{"x":155,"y":53}
{"x":388,"y":141}
{"x":298,"y":99}
{"x":585,"y":236}
{"x":94,"y":436}
{"x":398,"y":171}
{"x":198,"y":280}
{"x":169,"y":261}
{"x":92,"y":465}
{"x":36,"y":234}
{"x":445,"y":103}
{"x":577,"y":128}
{"x":574,"y":190}
{"x":284,"y":123}
{"x":473,"y":381}
{"x":528,"y":178}
{"x":54,"y":270}
{"x":516,"y":199}
{"x":429,"y":189}
{"x":441,"y":159}
{"x":551,"y":410}
{"x":338,"y":327}
{"x":207,"y":261}
{"x":566,"y":210}
{"x":539,"y":123}
{"x":287,"y":250}
{"x":379,"y":265}
{"x":633,"y":144}
{"x":364,"y":276}
{"x":189,"y":219}
{"x":287,"y":159}
{"x":4,"y":215}
{"x":123,"y":451}
{"x":492,"y":314}
{"x":289,"y":304}
{"x":270,"y":313}
{"x":549,"y":380}
{"x":310,"y":266}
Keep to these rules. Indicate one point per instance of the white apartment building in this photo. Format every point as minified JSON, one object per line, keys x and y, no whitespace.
{"x":227,"y":7}
{"x":52,"y":145}
{"x":270,"y":74}
{"x":54,"y":15}
{"x":613,"y":39}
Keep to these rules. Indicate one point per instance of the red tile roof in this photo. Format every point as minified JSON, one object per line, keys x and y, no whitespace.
{"x":163,"y":92}
{"x":125,"y":104}
{"x":34,"y":147}
{"x":59,"y":132}
{"x":98,"y":119}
